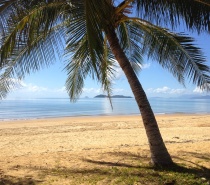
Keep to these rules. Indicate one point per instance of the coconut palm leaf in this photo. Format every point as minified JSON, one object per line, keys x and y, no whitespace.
{"x":175,"y":52}
{"x":80,"y":65}
{"x":43,"y":52}
{"x":25,"y":48}
{"x":25,"y":27}
{"x":130,"y":37}
{"x":194,"y":13}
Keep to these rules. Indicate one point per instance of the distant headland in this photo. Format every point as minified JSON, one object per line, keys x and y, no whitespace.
{"x":114,"y":96}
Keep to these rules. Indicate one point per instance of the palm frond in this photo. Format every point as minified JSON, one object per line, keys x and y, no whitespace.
{"x":6,"y":84}
{"x":43,"y":52}
{"x":93,"y":28}
{"x":88,"y":52}
{"x":80,"y":65}
{"x":99,"y":15}
{"x":25,"y":26}
{"x":129,"y":38}
{"x":194,"y":13}
{"x":107,"y":70}
{"x":175,"y":52}
{"x":5,"y":10}
{"x":30,"y":42}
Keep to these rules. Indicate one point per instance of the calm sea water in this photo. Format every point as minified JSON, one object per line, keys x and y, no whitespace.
{"x":47,"y":108}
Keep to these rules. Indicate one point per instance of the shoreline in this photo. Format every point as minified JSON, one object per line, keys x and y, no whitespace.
{"x":100,"y":116}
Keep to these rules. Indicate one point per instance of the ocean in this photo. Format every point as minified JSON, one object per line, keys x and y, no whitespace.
{"x":50,"y":108}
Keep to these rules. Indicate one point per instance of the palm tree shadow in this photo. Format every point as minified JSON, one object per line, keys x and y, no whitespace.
{"x":198,"y":171}
{"x":203,"y":156}
{"x":135,"y":165}
{"x":125,"y":156}
{"x":10,"y":180}
{"x":112,"y":164}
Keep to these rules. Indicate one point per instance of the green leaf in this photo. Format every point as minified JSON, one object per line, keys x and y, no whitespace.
{"x":194,"y":13}
{"x":175,"y":52}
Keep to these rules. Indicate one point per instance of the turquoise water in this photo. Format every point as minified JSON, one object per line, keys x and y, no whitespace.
{"x":49,"y":108}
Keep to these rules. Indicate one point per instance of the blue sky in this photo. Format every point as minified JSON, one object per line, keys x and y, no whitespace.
{"x":157,"y":82}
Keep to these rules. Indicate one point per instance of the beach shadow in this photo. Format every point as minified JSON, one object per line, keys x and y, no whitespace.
{"x":113,"y":164}
{"x":111,"y":170}
{"x":10,"y":180}
{"x":130,"y":155}
{"x":127,"y":157}
{"x":91,"y":172}
{"x":199,"y":171}
{"x":118,"y":165}
{"x":203,"y":156}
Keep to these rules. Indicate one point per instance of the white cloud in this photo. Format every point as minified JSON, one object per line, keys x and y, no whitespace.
{"x":146,"y":66}
{"x":20,"y":85}
{"x":162,"y":90}
{"x":119,"y":73}
{"x":198,"y":90}
{"x":178,"y":91}
{"x":202,"y":89}
{"x":92,"y":90}
{"x":29,"y":90}
{"x":118,"y":91}
{"x":62,"y":89}
{"x":166,"y":90}
{"x":33,"y":88}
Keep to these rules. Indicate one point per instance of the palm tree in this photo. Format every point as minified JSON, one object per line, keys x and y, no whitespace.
{"x":93,"y":35}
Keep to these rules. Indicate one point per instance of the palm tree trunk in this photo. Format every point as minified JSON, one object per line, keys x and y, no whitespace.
{"x":159,"y":153}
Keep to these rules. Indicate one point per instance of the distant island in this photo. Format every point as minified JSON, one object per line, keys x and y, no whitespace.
{"x":114,"y":96}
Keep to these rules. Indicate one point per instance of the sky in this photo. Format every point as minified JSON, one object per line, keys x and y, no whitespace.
{"x":157,"y":82}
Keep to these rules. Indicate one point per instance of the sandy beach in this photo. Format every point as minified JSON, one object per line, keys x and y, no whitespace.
{"x":30,"y":147}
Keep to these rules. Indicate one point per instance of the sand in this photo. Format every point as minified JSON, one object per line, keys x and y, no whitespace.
{"x":28,"y":146}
